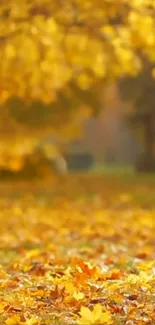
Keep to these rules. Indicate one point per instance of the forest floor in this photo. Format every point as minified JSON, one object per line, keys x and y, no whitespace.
{"x":78,"y":250}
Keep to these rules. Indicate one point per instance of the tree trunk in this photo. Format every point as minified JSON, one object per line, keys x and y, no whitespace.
{"x":146,"y":162}
{"x":148,"y":137}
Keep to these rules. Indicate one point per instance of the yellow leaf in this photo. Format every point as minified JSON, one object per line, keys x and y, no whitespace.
{"x":14,"y":320}
{"x":96,"y":316}
{"x":70,"y":288}
{"x":78,"y":295}
{"x":86,"y":316}
{"x":133,"y":278}
{"x":51,"y":26}
{"x":10,"y":51}
{"x":84,"y":81}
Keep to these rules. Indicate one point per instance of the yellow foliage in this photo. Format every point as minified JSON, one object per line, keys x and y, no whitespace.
{"x":45,"y":44}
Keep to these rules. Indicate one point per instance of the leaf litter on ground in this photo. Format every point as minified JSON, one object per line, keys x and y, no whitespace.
{"x":68,"y":259}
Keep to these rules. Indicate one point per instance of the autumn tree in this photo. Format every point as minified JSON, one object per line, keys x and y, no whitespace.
{"x":44,"y":44}
{"x":48,"y":47}
{"x":49,"y":126}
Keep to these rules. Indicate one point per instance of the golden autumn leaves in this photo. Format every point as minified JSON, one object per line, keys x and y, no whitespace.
{"x":69,"y":256}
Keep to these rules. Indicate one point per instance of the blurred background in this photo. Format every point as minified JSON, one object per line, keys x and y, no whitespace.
{"x":76,"y":87}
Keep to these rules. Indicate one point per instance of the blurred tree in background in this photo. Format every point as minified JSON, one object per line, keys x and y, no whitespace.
{"x":140,"y":91}
{"x":31,"y":125}
{"x":54,"y":57}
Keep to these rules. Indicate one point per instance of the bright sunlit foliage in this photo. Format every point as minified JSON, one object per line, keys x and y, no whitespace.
{"x":44,"y":44}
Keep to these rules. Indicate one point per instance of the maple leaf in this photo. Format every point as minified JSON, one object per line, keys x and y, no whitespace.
{"x":96,"y":316}
{"x":86,"y":267}
{"x":78,"y":295}
{"x":73,"y":292}
{"x":14,"y":320}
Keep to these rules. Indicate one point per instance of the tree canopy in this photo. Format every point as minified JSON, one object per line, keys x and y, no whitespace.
{"x":45,"y":44}
{"x":55,"y":55}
